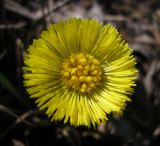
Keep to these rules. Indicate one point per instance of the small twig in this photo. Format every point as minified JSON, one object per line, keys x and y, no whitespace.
{"x":43,"y":13}
{"x":13,"y":26}
{"x":19,"y":9}
{"x":50,"y":8}
{"x":10,"y":112}
{"x":115,"y":18}
{"x":148,"y":79}
{"x":20,"y":119}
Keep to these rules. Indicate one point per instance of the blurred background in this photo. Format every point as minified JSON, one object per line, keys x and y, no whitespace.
{"x":22,"y":124}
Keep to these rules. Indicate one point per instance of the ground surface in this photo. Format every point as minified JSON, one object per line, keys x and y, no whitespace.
{"x":21,"y":124}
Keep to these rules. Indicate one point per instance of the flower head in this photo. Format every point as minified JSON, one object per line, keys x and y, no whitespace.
{"x":80,"y":71}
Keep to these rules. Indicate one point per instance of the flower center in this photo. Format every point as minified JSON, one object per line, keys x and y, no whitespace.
{"x":81,"y":72}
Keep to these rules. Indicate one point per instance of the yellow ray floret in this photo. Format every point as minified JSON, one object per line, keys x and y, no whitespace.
{"x":80,"y":71}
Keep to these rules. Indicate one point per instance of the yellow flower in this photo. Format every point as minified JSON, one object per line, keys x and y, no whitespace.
{"x":80,"y":71}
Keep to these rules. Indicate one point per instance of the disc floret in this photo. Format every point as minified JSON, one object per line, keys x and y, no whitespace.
{"x":82,"y":72}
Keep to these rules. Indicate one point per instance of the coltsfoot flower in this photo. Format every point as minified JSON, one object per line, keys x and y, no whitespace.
{"x":80,"y":71}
